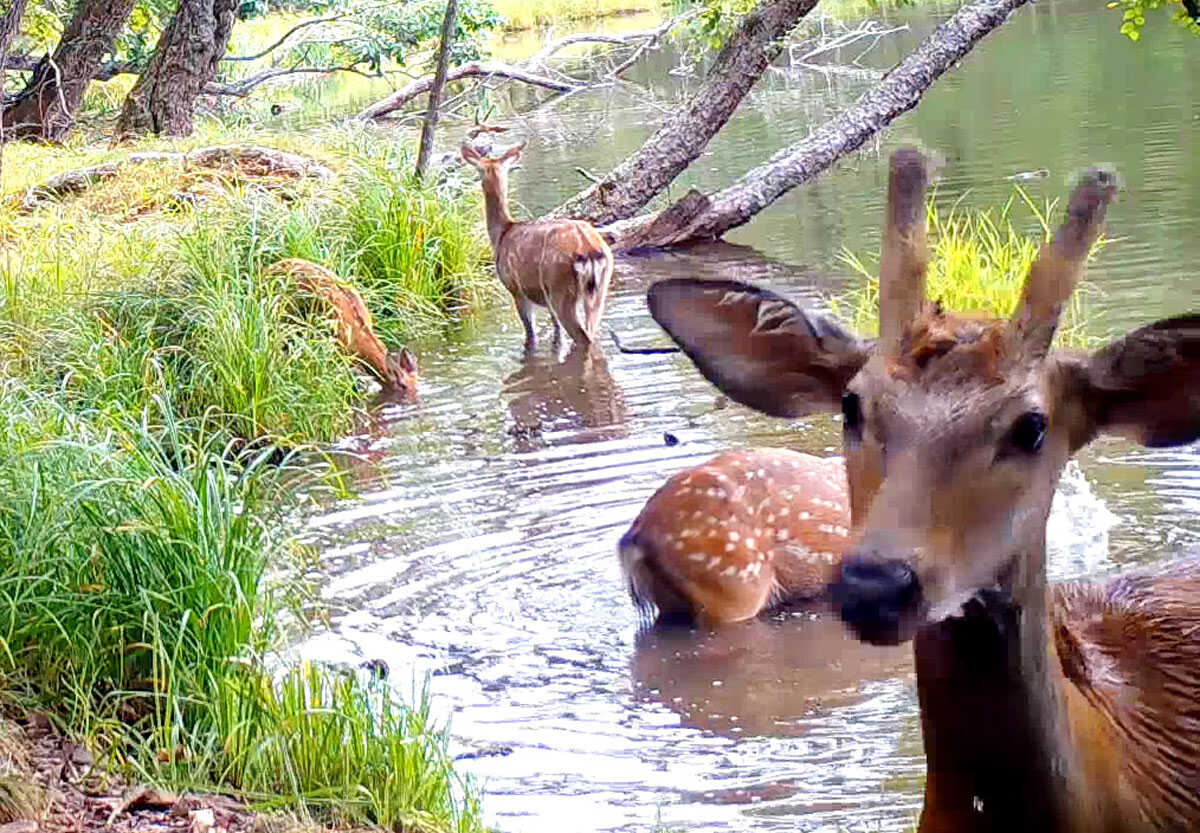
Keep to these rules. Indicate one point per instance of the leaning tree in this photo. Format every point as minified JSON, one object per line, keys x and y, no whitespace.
{"x":185,"y":60}
{"x":46,"y":106}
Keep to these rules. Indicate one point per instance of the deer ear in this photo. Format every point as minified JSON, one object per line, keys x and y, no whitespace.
{"x":1145,"y":386}
{"x":471,"y":156}
{"x":512,"y":155}
{"x":758,"y":347}
{"x":408,"y":361}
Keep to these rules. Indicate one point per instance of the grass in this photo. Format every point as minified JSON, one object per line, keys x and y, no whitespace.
{"x":519,"y":15}
{"x":978,"y":263}
{"x":146,"y":573}
{"x":133,"y":609}
{"x":128,"y":292}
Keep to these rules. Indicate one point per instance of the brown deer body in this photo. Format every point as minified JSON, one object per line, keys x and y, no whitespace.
{"x":728,"y":539}
{"x":563,"y":265}
{"x":353,"y":323}
{"x":1067,"y":709}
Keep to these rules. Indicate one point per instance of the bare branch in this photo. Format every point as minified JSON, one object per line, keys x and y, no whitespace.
{"x":301,"y":25}
{"x":474,"y":69}
{"x":534,"y":71}
{"x":244,"y":87}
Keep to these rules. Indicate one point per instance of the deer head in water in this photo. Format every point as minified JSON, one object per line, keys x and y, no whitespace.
{"x":1072,"y":710}
{"x":956,"y":429}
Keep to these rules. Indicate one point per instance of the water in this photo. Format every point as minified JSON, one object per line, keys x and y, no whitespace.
{"x":480,"y":550}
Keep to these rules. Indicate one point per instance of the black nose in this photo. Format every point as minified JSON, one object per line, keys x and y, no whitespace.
{"x":876,"y":597}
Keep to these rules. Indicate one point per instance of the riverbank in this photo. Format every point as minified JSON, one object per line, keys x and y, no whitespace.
{"x":164,"y":410}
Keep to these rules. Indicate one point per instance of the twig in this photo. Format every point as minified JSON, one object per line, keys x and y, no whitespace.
{"x":474,"y":69}
{"x":639,"y":351}
{"x":243,"y":88}
{"x":588,"y":175}
{"x":302,"y":24}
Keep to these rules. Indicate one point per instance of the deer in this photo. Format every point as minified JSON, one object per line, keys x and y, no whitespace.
{"x":354,"y":327}
{"x":741,"y":534}
{"x":1053,"y":708}
{"x":563,"y":265}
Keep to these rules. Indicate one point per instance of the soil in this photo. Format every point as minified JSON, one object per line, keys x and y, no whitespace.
{"x":70,"y":794}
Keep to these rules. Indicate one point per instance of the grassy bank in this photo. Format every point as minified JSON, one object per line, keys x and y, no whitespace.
{"x":134,"y":611}
{"x":152,"y":283}
{"x":146,"y":572}
{"x":978,"y":263}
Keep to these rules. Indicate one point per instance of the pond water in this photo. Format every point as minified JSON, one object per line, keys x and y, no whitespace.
{"x":481,"y":548}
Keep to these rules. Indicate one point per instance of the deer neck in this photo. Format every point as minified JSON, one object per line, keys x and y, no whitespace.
{"x":993,"y":715}
{"x":495,"y":202}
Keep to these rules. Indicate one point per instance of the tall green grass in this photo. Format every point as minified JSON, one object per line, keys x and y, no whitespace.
{"x":141,"y":345}
{"x":109,"y":312}
{"x":978,"y":263}
{"x":133,"y":610}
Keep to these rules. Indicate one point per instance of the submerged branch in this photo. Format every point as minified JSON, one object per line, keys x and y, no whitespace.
{"x":701,"y":217}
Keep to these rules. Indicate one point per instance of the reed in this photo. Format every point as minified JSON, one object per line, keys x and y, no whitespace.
{"x":978,"y":263}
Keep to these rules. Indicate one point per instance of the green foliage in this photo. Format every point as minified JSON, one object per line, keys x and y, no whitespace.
{"x":1134,"y":12}
{"x":133,"y":610}
{"x":114,"y":315}
{"x":978,"y":263}
{"x":370,"y":35}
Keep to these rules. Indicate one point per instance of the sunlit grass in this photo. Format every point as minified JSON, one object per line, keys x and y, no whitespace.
{"x":128,"y":291}
{"x":978,"y":263}
{"x":523,"y":15}
{"x":134,"y":612}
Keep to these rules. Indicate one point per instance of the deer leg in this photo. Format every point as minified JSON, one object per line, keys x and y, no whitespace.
{"x":525,"y":313}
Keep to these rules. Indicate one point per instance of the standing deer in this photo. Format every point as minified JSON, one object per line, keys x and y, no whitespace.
{"x":563,"y":265}
{"x":745,"y":531}
{"x":353,"y":325}
{"x":1058,"y":709}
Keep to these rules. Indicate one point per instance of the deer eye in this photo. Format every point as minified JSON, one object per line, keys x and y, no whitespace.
{"x":852,"y":414}
{"x":1028,"y":432}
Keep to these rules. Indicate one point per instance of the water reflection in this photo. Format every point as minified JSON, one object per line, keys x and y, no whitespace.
{"x":761,"y":677}
{"x":481,"y":545}
{"x":547,"y":395}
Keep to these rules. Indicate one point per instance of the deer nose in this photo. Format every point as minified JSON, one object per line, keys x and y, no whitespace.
{"x":875,"y":596}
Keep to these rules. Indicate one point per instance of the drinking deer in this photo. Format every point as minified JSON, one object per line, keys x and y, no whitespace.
{"x":1061,"y":709}
{"x":747,"y":530}
{"x":354,"y":326}
{"x":563,"y":265}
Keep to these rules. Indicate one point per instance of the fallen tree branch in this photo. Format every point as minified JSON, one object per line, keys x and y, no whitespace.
{"x":275,"y":161}
{"x":747,"y":53}
{"x":245,"y":86}
{"x":474,"y":69}
{"x":533,"y":71}
{"x":700,"y":217}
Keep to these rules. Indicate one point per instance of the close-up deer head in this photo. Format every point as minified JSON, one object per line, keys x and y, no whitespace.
{"x":956,"y":428}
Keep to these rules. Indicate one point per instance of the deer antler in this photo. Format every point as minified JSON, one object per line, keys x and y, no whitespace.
{"x":903,"y":256}
{"x":1060,"y":263}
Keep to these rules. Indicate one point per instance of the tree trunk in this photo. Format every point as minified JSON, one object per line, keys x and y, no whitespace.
{"x":10,"y":24}
{"x":163,"y":100}
{"x":700,"y":217}
{"x":46,"y":108}
{"x":435,"y":92}
{"x":755,"y":42}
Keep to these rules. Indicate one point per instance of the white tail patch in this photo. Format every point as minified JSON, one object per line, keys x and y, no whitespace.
{"x":590,"y":269}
